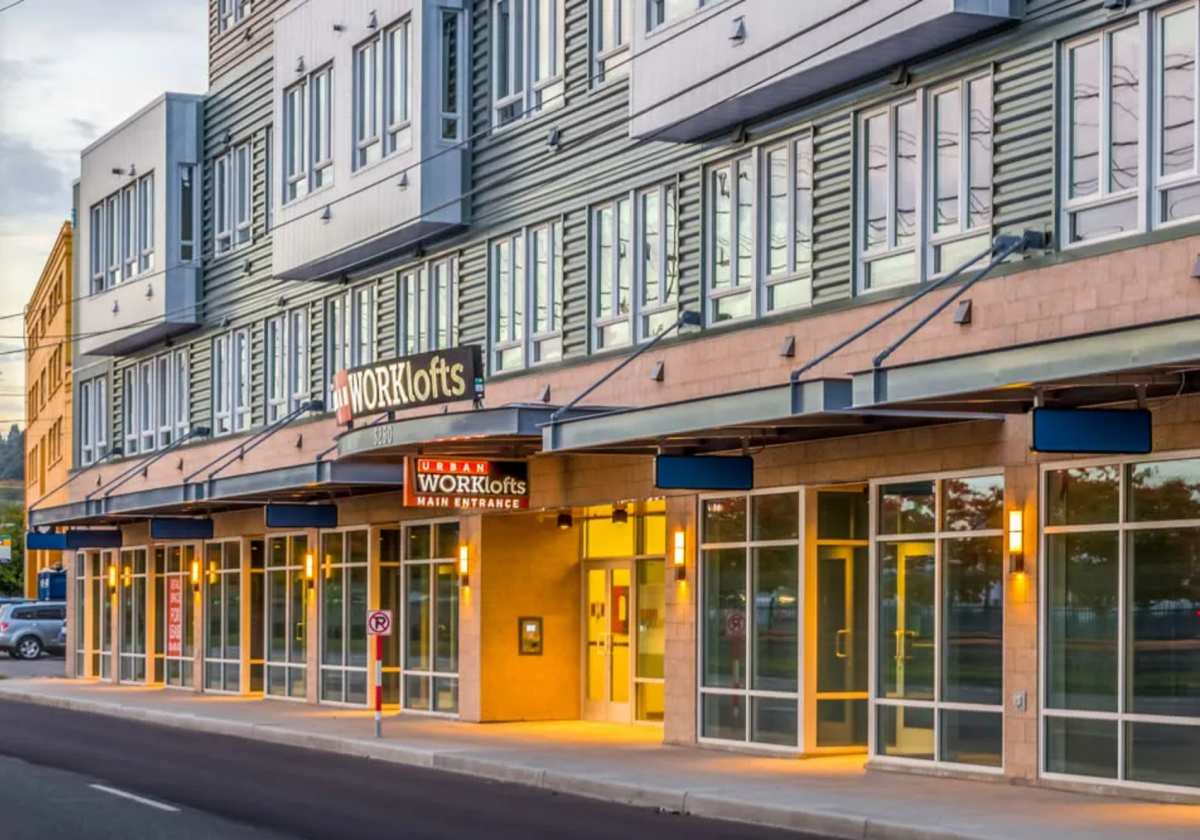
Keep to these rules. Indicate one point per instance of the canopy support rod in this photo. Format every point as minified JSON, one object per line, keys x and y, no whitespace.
{"x":143,"y":465}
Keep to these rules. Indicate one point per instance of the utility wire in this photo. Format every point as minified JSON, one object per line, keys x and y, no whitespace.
{"x":5,"y":9}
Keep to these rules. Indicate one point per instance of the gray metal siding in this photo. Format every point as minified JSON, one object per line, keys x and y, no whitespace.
{"x":472,"y":293}
{"x":228,"y":49}
{"x":833,"y":219}
{"x":1023,"y":140}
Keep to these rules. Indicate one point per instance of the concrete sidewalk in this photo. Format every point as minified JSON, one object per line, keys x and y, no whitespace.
{"x":831,"y":796}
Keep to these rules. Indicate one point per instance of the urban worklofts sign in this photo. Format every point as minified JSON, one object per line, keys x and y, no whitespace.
{"x":466,"y":484}
{"x":440,"y":376}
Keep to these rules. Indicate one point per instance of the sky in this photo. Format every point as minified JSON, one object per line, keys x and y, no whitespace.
{"x":71,"y":70}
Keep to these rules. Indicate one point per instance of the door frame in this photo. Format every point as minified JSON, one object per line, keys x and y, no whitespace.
{"x":608,"y":565}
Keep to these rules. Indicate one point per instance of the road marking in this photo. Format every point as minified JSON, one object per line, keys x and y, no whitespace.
{"x":143,"y":800}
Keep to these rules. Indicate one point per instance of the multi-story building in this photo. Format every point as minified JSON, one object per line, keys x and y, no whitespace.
{"x":48,"y":348}
{"x":542,"y":255}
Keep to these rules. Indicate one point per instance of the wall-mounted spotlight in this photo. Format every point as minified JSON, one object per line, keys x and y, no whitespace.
{"x":620,"y":515}
{"x":679,"y":555}
{"x":1016,"y":542}
{"x":112,"y":577}
{"x":464,"y":564}
{"x":310,"y":570}
{"x":565,"y":520}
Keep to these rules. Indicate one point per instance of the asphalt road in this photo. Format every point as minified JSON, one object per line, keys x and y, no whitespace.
{"x":235,"y":788}
{"x":46,"y":666}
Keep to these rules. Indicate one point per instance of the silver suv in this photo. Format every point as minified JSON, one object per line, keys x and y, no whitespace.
{"x":28,"y":629}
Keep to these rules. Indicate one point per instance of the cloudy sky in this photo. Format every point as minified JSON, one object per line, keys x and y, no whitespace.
{"x":69,"y":71}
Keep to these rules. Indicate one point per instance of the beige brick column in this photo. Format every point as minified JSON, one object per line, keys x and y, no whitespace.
{"x":679,"y":666}
{"x":312,"y":614}
{"x":470,"y":624}
{"x":1020,"y":630}
{"x":69,"y":559}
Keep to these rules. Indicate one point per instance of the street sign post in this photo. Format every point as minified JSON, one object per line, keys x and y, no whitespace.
{"x":379,"y":624}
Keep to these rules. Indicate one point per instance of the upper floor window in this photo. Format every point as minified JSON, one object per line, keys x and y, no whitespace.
{"x":961,"y":201}
{"x":349,"y":331}
{"x":145,"y":223}
{"x":612,"y":21}
{"x":527,"y":69}
{"x":660,"y":12}
{"x":427,"y":315}
{"x":231,"y":198}
{"x":155,"y":402}
{"x":233,"y":12}
{"x":527,"y":311}
{"x":381,"y":94}
{"x":450,"y":79}
{"x":187,"y":212}
{"x":122,"y":234}
{"x":231,"y":382}
{"x":890,"y":150}
{"x":732,"y":219}
{"x":308,"y":135}
{"x":287,"y":363}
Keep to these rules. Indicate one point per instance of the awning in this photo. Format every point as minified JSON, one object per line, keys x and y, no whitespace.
{"x":1092,"y":369}
{"x":310,"y":482}
{"x":511,"y":431}
{"x":774,"y":415}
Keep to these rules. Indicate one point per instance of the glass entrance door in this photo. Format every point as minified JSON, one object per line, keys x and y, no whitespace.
{"x":132,"y":626}
{"x":609,"y":611}
{"x":287,"y":631}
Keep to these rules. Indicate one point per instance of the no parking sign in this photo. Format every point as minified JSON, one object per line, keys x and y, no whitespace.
{"x":379,"y":623}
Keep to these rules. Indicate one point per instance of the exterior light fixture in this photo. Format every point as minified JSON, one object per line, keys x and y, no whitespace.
{"x":310,"y":569}
{"x":565,"y":520}
{"x":464,"y":564}
{"x":112,"y":577}
{"x":679,"y":558}
{"x":195,"y":575}
{"x":1016,"y":542}
{"x":620,"y":515}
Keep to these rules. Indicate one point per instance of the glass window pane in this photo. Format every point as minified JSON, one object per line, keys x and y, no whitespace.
{"x":1177,"y":68}
{"x":725,"y":618}
{"x":905,"y":732}
{"x":446,"y":611}
{"x":725,"y":520}
{"x":775,"y":654}
{"x":908,"y":142}
{"x":1084,"y":63}
{"x":1105,"y":220}
{"x":445,"y":694}
{"x":651,"y":240}
{"x":651,"y":615}
{"x":1181,"y":202}
{"x":723,"y":716}
{"x":1164,"y":622}
{"x":804,"y":203}
{"x":332,"y":617}
{"x":777,"y":211}
{"x":722,"y":190}
{"x":356,"y":613}
{"x":1081,"y":624}
{"x":745,"y":223}
{"x":877,"y":142}
{"x":1164,"y":490}
{"x":1125,"y":109}
{"x":1081,"y":747}
{"x":416,"y":692}
{"x":972,"y":737}
{"x":417,"y":653}
{"x":907,"y":508}
{"x":973,"y":504}
{"x":906,"y":620}
{"x":773,"y":721}
{"x":973,"y":620}
{"x":1162,"y":754}
{"x":1082,"y":495}
{"x":842,"y":515}
{"x":420,"y":543}
{"x":947,"y":129}
{"x":775,"y":516}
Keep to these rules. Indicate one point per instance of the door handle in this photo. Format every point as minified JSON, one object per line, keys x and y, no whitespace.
{"x":902,"y":644}
{"x":839,"y":650}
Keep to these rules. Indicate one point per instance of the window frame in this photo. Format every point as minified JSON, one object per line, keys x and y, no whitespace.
{"x":1191,"y":177}
{"x":537,"y":347}
{"x":146,"y":223}
{"x":230,"y":13}
{"x":451,"y":84}
{"x":296,"y":143}
{"x":654,"y":22}
{"x":98,"y":258}
{"x":222,"y":409}
{"x":187,"y":212}
{"x":240,"y":368}
{"x":535,"y":93}
{"x":129,"y":394}
{"x":436,"y":310}
{"x":712,"y":293}
{"x":611,"y":39}
{"x":891,"y":249}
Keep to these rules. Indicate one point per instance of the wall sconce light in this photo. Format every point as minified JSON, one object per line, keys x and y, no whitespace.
{"x":310,"y":570}
{"x":620,"y":515}
{"x":565,"y":520}
{"x":195,"y":575}
{"x":464,"y":565}
{"x":679,"y":558}
{"x":1016,"y":542}
{"x":112,"y":577}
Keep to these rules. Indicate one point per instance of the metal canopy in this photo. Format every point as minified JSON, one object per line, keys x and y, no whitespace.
{"x":312,"y":482}
{"x":513,"y":431}
{"x":1093,"y":369}
{"x":778,"y":414}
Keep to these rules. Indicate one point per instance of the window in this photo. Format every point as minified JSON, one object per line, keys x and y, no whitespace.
{"x":97,"y":237}
{"x":93,"y":420}
{"x":322,"y":128}
{"x":428,"y":307}
{"x":1121,"y":613}
{"x":660,"y":12}
{"x":1178,"y":176}
{"x":222,"y":616}
{"x":129,"y":409}
{"x":112,"y":227}
{"x":343,"y":606}
{"x":449,"y":58}
{"x":527,"y":316}
{"x":172,"y":561}
{"x":382,"y":92}
{"x":298,"y":359}
{"x":129,"y":245}
{"x":527,"y":67}
{"x":940,"y":620}
{"x":145,"y":226}
{"x":240,"y":374}
{"x":367,"y":94}
{"x":232,"y":178}
{"x":286,"y":622}
{"x":181,"y":392}
{"x":287,"y":363}
{"x":732,"y":234}
{"x":890,"y":216}
{"x":269,"y":177}
{"x":350,"y":330}
{"x":187,"y":212}
{"x":612,"y":21}
{"x":233,"y":12}
{"x":295,"y":142}
{"x":635,"y":266}
{"x":222,"y":386}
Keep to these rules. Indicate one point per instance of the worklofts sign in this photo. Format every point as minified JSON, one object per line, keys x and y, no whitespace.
{"x":466,"y":484}
{"x":440,"y":376}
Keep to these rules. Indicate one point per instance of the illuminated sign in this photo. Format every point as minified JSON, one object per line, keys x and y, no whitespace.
{"x":466,"y":484}
{"x":440,"y":376}
{"x":174,"y":615}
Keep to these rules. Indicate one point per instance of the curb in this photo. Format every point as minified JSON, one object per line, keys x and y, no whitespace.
{"x":698,"y":804}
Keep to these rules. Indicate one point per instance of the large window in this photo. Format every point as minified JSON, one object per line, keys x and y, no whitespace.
{"x":612,"y":23}
{"x":527,"y":72}
{"x":344,"y":617}
{"x":1121,"y":613}
{"x":286,"y":617}
{"x":155,"y":400}
{"x":122,"y":234}
{"x":940,"y":621}
{"x":93,"y":420}
{"x":132,"y":610}
{"x":286,"y":363}
{"x":450,"y":78}
{"x":732,"y":229}
{"x":526,"y":272}
{"x":635,"y":266}
{"x":222,"y":616}
{"x":231,"y":382}
{"x":308,"y":134}
{"x":350,"y":320}
{"x":419,"y":584}
{"x":231,"y":198}
{"x":176,"y":659}
{"x":233,"y":12}
{"x":427,"y":307}
{"x":382,"y":92}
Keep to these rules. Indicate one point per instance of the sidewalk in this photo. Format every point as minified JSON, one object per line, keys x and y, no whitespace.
{"x":832,"y":796}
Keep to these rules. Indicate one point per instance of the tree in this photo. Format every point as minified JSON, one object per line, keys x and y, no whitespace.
{"x":12,"y":525}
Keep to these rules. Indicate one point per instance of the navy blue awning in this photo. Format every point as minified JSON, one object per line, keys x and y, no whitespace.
{"x":72,"y":540}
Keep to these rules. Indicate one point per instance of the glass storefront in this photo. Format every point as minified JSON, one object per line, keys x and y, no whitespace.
{"x":173,"y":593}
{"x":132,"y":627}
{"x":79,"y":613}
{"x":344,"y":617}
{"x":287,"y":627}
{"x":222,"y":616}
{"x":940,"y":613}
{"x":101,"y":615}
{"x":1121,"y":612}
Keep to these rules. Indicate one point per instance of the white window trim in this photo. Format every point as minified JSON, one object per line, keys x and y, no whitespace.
{"x":336,"y":568}
{"x":146,"y":223}
{"x":1122,"y":526}
{"x":235,"y":232}
{"x":437,"y":316}
{"x":394,"y":125}
{"x":129,"y":409}
{"x":619,"y":54}
{"x":298,"y":348}
{"x":296,"y":127}
{"x":230,"y":13}
{"x":536,"y":95}
{"x":1163,"y":183}
{"x":446,"y":116}
{"x":527,"y":339}
{"x":222,"y":407}
{"x":187,"y":236}
{"x":239,"y":397}
{"x":712,"y":293}
{"x":275,"y":363}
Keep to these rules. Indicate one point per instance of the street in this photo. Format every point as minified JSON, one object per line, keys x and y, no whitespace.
{"x":45,"y":666}
{"x":71,"y":774}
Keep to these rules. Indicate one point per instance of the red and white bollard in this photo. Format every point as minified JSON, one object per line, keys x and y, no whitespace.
{"x":379,"y":686}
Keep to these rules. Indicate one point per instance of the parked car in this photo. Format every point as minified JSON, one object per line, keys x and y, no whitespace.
{"x":30,"y":628}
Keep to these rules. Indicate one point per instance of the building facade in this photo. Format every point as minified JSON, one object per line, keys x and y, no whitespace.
{"x":541,"y":259}
{"x":48,"y":361}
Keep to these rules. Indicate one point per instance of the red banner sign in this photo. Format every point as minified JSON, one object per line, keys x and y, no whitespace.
{"x":466,"y":484}
{"x":175,"y":615}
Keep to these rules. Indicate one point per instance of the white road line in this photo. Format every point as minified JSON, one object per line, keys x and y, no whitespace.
{"x":143,"y":800}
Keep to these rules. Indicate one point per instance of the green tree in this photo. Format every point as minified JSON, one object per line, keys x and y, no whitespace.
{"x":12,"y":526}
